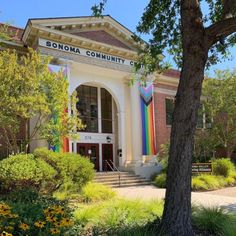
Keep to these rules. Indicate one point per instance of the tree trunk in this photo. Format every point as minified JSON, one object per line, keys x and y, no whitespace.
{"x":177,"y":210}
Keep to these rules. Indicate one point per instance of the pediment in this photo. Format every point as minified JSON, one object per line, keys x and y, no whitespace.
{"x":103,"y":30}
{"x":103,"y":37}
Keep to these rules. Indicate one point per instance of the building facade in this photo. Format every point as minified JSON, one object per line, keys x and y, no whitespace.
{"x":99,"y":54}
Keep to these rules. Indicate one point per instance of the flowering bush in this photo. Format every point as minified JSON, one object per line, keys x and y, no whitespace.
{"x":26,"y":212}
{"x":55,"y":220}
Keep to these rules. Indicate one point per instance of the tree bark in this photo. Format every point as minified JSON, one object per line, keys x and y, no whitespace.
{"x":177,"y":210}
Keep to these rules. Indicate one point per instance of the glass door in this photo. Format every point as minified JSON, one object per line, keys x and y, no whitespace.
{"x":90,"y":150}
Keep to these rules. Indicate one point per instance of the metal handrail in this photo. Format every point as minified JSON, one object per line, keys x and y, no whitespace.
{"x":114,"y":168}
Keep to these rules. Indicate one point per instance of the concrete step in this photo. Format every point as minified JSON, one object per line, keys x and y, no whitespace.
{"x":127,"y":179}
{"x":117,"y":179}
{"x":129,"y":185}
{"x":123,"y":181}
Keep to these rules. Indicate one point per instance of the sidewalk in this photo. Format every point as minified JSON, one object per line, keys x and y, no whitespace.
{"x":208,"y":199}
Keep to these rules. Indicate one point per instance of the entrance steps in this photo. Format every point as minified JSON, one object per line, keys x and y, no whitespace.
{"x":127,"y":179}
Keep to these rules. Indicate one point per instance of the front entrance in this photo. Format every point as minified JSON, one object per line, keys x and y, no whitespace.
{"x":107,"y":157}
{"x":90,"y":150}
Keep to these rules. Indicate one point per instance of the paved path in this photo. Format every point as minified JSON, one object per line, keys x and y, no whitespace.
{"x":213,"y":198}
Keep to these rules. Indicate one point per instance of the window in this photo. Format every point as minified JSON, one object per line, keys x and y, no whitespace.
{"x":169,"y":110}
{"x":87,"y":107}
{"x":106,"y":110}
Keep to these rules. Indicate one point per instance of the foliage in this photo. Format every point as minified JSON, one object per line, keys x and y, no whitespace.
{"x":94,"y":192}
{"x":215,"y":221}
{"x":25,"y":212}
{"x":73,"y":171}
{"x":220,"y":104}
{"x":207,"y":182}
{"x":164,"y":155}
{"x":160,"y":180}
{"x":224,"y":175}
{"x":118,"y":214}
{"x":198,"y":184}
{"x":223,"y":167}
{"x":24,"y":170}
{"x":29,"y":90}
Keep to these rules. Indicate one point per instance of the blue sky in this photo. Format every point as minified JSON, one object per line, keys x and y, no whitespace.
{"x":128,"y":13}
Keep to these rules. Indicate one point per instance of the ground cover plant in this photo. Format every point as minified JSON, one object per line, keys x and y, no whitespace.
{"x":223,"y":175}
{"x":118,"y":215}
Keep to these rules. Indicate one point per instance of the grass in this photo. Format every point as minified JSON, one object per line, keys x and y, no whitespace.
{"x":119,"y":214}
{"x":204,"y":182}
{"x":94,"y":192}
{"x":215,"y":221}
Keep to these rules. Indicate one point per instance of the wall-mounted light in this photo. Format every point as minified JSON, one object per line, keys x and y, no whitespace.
{"x":108,"y":139}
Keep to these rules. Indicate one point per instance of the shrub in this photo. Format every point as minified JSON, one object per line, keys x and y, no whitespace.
{"x":223,"y":167}
{"x":215,"y":221}
{"x":25,"y":170}
{"x":94,"y":192}
{"x":73,"y":170}
{"x":208,"y":182}
{"x":198,"y":184}
{"x":160,"y":180}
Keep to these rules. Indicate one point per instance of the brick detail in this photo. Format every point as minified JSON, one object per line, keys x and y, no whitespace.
{"x":102,"y":37}
{"x":162,"y":130}
{"x":14,"y":32}
{"x":172,"y":73}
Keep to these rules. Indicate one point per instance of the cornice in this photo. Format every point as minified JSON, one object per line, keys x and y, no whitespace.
{"x":37,"y":31}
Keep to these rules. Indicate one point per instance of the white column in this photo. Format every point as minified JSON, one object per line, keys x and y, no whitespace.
{"x":99,"y":110}
{"x":122,"y":137}
{"x":136,"y":124}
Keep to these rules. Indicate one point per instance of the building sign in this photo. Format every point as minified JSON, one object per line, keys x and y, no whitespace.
{"x":201,"y":168}
{"x":84,"y":52}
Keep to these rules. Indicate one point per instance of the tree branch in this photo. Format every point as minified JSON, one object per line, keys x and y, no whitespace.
{"x":221,"y":29}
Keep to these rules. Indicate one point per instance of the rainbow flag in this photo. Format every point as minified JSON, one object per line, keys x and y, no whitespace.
{"x":147,"y":116}
{"x":64,"y":146}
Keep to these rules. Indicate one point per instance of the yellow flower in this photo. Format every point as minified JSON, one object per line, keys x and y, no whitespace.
{"x":48,"y":211}
{"x":4,"y":233}
{"x":66,"y":222}
{"x":40,"y":224}
{"x":55,"y":231}
{"x":59,"y":210}
{"x":4,"y":206}
{"x":23,"y":226}
{"x":51,"y":218}
{"x":5,"y":211}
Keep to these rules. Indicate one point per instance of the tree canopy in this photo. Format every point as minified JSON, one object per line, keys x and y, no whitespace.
{"x":220,"y":103}
{"x":29,"y":90}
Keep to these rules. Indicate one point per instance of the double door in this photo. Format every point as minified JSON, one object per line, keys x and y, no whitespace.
{"x":91,"y":150}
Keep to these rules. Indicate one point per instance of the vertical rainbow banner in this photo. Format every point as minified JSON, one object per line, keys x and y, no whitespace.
{"x":147,"y":116}
{"x":64,"y":146}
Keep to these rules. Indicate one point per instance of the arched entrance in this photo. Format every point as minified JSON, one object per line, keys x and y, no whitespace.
{"x":99,"y":139}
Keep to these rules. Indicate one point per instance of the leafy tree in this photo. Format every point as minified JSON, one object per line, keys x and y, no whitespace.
{"x":196,"y":39}
{"x":30,"y":91}
{"x":220,"y":104}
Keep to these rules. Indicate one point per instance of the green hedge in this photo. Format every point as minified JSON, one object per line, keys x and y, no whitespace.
{"x":25,"y":170}
{"x":73,"y":171}
{"x":46,"y":171}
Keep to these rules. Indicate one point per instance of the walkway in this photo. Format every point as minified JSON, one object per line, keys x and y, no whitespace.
{"x":225,"y":197}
